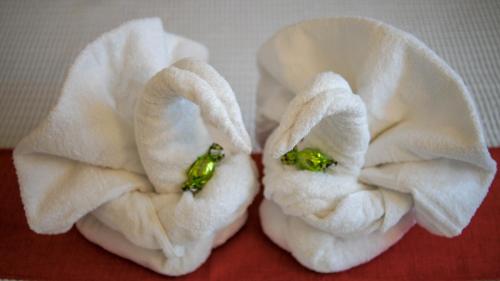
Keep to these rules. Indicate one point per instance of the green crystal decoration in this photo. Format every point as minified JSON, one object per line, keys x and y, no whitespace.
{"x":202,"y":169}
{"x":310,"y":159}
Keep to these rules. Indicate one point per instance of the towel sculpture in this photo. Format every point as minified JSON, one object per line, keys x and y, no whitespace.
{"x":397,"y":125}
{"x":113,"y":154}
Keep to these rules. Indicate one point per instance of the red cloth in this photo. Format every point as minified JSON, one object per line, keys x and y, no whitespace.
{"x":249,"y":255}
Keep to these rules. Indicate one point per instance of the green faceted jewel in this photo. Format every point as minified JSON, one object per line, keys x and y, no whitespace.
{"x":310,"y":159}
{"x":203,"y":168}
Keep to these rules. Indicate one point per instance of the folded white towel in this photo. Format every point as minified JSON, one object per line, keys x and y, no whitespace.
{"x":409,"y":144}
{"x":113,"y":153}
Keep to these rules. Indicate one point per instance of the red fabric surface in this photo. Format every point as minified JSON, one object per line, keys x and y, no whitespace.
{"x":249,"y":255}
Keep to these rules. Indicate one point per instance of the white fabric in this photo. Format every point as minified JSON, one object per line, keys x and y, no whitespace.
{"x":40,"y":40}
{"x":409,"y":143}
{"x":112,"y":154}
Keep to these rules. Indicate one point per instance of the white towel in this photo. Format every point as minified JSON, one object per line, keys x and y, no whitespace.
{"x":409,"y":142}
{"x":112,"y":155}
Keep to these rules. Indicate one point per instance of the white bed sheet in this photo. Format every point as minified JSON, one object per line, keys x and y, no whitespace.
{"x":40,"y":39}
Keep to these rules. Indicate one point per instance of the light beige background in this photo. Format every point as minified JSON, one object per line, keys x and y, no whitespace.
{"x":40,"y":39}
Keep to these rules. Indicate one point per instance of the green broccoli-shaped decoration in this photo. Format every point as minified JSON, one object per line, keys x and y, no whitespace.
{"x":310,"y":159}
{"x":202,"y":169}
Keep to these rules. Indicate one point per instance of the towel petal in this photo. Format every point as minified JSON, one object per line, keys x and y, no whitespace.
{"x":330,"y":117}
{"x":90,"y":161}
{"x":84,"y":152}
{"x":426,"y":149}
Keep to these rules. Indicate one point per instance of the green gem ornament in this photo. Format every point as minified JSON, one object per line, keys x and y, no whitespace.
{"x":202,"y":170}
{"x":310,"y":159}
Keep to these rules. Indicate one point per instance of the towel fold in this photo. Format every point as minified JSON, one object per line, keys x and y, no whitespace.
{"x":113,"y":153}
{"x":399,"y":122}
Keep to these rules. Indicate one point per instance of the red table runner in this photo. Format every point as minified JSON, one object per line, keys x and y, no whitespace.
{"x":249,"y":255}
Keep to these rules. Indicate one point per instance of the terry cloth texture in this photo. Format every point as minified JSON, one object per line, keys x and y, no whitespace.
{"x":399,"y":121}
{"x":113,"y":153}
